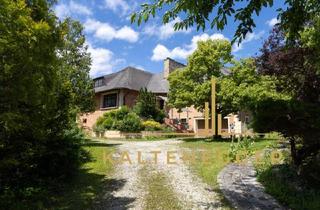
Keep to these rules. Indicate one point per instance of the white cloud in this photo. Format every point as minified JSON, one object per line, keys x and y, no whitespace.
{"x":164,"y":31}
{"x":106,"y":32}
{"x":272,"y":22}
{"x":65,"y":10}
{"x":103,"y":61}
{"x":117,"y":5}
{"x":127,"y":33}
{"x":249,"y":37}
{"x":161,"y":52}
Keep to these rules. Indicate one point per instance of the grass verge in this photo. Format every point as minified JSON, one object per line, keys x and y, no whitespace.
{"x":283,"y":183}
{"x":159,"y":195}
{"x":90,"y":182}
{"x":87,"y":184}
{"x":208,"y":170}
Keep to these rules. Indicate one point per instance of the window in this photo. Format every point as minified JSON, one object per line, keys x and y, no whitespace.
{"x":161,"y":104}
{"x":98,"y":83}
{"x":246,"y":119}
{"x":183,"y":120}
{"x":110,"y":100}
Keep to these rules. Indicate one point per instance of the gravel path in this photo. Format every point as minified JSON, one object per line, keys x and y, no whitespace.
{"x":189,"y":189}
{"x":239,"y":185}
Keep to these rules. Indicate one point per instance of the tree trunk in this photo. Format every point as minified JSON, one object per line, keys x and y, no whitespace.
{"x":293,"y":151}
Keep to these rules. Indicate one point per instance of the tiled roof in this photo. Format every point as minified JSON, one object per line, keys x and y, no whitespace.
{"x":158,"y":84}
{"x":134,"y":79}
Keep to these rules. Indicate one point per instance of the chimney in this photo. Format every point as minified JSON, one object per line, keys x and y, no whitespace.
{"x":169,"y":65}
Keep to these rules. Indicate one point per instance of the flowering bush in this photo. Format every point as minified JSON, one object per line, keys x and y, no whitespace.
{"x":151,"y":125}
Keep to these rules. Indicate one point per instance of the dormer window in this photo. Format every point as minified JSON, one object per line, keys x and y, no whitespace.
{"x":98,"y":83}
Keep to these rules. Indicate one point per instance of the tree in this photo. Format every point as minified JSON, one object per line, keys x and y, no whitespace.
{"x":146,"y":106}
{"x":244,"y":88}
{"x":296,"y":70}
{"x":75,"y":66}
{"x":191,"y":85}
{"x":217,"y":13}
{"x":38,"y":137}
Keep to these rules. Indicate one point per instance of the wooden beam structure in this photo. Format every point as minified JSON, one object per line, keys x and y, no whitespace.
{"x":213,"y":105}
{"x":219,"y":124}
{"x":206,"y":118}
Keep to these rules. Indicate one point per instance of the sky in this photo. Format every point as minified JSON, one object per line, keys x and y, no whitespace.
{"x":115,"y":43}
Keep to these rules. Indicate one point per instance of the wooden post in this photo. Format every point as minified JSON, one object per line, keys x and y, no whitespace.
{"x":219,"y":124}
{"x":213,"y":105}
{"x":206,"y":118}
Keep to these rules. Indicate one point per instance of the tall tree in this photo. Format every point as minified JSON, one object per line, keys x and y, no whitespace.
{"x":296,"y":70}
{"x":75,"y":66}
{"x":217,"y":13}
{"x":191,"y":85}
{"x":39,"y":91}
{"x":244,"y":88}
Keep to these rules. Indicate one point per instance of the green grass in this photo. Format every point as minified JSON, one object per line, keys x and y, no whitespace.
{"x":208,"y":170}
{"x":282,"y":182}
{"x":159,"y":195}
{"x":87,"y":185}
{"x":91,"y":182}
{"x":151,"y":138}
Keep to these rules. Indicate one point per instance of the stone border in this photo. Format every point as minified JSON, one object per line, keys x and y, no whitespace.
{"x":239,"y":185}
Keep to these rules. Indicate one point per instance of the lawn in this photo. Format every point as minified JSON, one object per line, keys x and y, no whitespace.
{"x":282,"y":182}
{"x":159,"y":194}
{"x":209,"y":170}
{"x":92,"y":180}
{"x":88,"y":184}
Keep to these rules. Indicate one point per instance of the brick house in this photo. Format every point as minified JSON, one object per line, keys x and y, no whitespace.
{"x":122,"y":88}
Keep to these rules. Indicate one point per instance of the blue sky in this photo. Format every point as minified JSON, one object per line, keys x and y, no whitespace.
{"x":115,"y":43}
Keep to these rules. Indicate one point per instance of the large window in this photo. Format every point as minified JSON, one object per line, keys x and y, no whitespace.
{"x":110,"y":100}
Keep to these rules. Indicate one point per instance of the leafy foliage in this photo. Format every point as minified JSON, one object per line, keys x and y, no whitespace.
{"x":122,"y":119}
{"x":296,"y":70}
{"x":130,"y":123}
{"x":191,"y":85}
{"x":40,"y":96}
{"x":241,"y":87}
{"x":151,"y":125}
{"x":240,"y":150}
{"x":282,"y":182}
{"x":146,"y":106}
{"x":244,"y":88}
{"x":75,"y":66}
{"x":216,"y":14}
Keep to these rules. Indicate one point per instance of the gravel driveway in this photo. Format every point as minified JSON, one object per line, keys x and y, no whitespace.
{"x":191,"y":192}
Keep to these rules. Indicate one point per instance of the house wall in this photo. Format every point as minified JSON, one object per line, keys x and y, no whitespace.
{"x":189,"y":113}
{"x":194,"y":118}
{"x":125,"y":97}
{"x":130,"y":97}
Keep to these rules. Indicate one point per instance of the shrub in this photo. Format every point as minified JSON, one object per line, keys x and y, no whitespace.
{"x":241,"y":149}
{"x":160,"y":115}
{"x":146,"y":106}
{"x":108,"y":123}
{"x":151,"y":125}
{"x":98,"y":128}
{"x":120,"y":114}
{"x":130,"y":123}
{"x":122,"y":119}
